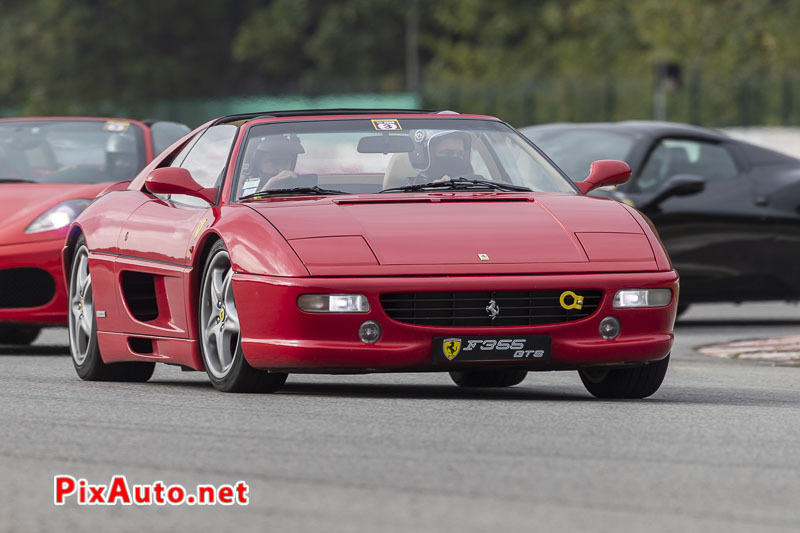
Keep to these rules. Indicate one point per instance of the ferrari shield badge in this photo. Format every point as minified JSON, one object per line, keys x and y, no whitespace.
{"x":451,"y":348}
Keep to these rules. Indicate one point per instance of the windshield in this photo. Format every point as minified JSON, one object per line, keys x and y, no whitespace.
{"x":70,"y":151}
{"x":574,"y":151}
{"x":367,"y":156}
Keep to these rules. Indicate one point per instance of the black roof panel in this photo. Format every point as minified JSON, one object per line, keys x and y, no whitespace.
{"x":315,"y":112}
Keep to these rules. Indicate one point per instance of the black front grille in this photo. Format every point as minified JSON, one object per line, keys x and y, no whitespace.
{"x":468,"y":309}
{"x":25,"y":287}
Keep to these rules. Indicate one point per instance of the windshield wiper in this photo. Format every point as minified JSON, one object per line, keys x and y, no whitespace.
{"x":289,"y":192}
{"x":15,"y":180}
{"x":459,"y":183}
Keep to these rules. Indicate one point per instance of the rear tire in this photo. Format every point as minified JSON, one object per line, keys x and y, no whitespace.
{"x":18,"y":335}
{"x":625,"y":383}
{"x":83,"y":329}
{"x":489,"y":378}
{"x":220,"y":338}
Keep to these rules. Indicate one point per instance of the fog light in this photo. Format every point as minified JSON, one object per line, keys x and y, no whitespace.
{"x":369,"y":332}
{"x":609,"y":328}
{"x":333,"y":303}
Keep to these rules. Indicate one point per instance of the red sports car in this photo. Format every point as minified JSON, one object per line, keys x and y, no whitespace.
{"x":353,"y":241}
{"x":50,"y":170}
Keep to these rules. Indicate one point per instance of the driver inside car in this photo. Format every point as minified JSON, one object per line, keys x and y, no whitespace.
{"x":273,"y":164}
{"x":448,"y":157}
{"x":122,"y":161}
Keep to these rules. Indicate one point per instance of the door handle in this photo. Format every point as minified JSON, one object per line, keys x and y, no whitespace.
{"x":762,"y":200}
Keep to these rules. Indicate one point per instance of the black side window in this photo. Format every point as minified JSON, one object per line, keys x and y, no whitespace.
{"x":686,"y":156}
{"x":206,"y":160}
{"x":177,"y":159}
{"x":166,"y":133}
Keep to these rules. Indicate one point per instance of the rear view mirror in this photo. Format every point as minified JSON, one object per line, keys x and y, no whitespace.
{"x":603,"y":173}
{"x":385,"y":144}
{"x":678,"y":185}
{"x":176,"y":180}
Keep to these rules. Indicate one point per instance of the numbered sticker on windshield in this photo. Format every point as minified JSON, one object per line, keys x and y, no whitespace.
{"x":116,"y":126}
{"x":387,"y":125}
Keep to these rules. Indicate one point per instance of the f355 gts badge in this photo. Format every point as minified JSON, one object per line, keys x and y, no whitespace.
{"x":451,"y":348}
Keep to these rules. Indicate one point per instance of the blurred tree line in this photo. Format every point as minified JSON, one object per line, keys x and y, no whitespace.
{"x":533,"y":60}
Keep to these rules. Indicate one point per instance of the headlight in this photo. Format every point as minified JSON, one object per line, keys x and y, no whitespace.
{"x":642,"y":298}
{"x":61,"y":215}
{"x":333,"y":303}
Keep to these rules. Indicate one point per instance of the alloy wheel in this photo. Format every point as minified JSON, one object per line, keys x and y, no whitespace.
{"x":81,"y":307}
{"x":219,"y":320}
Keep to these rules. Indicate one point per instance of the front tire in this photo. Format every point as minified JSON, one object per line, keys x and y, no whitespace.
{"x":18,"y":335}
{"x":625,"y":383}
{"x":220,"y":338}
{"x":489,"y":378}
{"x":83,"y":329}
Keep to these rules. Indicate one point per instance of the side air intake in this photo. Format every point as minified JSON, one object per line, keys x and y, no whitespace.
{"x":139,"y":291}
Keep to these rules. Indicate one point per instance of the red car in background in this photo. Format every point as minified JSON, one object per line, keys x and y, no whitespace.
{"x":51,"y":168}
{"x":356,"y":241}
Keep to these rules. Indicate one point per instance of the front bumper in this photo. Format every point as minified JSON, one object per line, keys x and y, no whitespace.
{"x":276,"y":335}
{"x":44,"y":256}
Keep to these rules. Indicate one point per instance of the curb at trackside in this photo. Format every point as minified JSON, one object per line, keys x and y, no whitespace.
{"x":784,"y":350}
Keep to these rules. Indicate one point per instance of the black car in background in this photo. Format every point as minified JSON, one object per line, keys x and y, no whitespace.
{"x":727,"y":211}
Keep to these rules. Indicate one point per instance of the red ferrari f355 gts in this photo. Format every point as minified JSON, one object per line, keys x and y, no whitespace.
{"x":353,"y":241}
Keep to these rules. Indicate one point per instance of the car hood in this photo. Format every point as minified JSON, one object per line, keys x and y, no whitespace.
{"x":489,"y":232}
{"x":22,"y":203}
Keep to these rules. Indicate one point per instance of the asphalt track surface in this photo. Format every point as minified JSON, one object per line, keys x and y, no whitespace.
{"x":716,"y":449}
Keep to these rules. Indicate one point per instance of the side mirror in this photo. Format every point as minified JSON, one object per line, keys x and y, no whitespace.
{"x":176,"y":180}
{"x":677,"y":185}
{"x":603,"y":173}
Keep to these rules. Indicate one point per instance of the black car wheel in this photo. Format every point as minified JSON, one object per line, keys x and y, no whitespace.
{"x":220,"y":339}
{"x":634,"y":382}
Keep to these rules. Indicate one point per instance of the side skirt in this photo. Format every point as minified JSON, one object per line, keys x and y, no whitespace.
{"x":121,"y":347}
